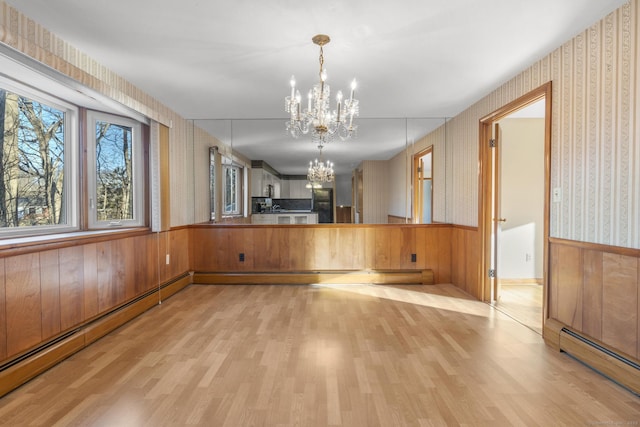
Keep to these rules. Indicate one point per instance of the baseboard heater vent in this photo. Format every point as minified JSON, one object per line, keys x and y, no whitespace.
{"x":615,"y":366}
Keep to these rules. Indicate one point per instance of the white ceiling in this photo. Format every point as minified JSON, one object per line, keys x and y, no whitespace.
{"x":228,"y":60}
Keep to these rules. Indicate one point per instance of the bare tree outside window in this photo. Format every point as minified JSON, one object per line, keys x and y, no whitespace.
{"x":31,"y":162}
{"x":114,"y":178}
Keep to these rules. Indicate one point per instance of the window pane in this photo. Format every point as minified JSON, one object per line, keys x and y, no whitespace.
{"x":31,"y":162}
{"x":114,"y":178}
{"x":230,"y":190}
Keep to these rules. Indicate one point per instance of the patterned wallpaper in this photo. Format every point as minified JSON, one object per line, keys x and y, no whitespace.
{"x":595,"y":135}
{"x":375,"y":177}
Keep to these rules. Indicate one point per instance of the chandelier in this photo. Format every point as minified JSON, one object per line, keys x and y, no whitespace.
{"x":318,"y":118}
{"x":320,"y":171}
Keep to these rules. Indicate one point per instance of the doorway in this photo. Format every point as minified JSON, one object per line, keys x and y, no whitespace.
{"x":423,"y":186}
{"x":515,"y":210}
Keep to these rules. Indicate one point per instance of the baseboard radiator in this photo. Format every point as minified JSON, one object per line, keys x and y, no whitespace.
{"x":604,"y":359}
{"x":388,"y":277}
{"x":24,"y":367}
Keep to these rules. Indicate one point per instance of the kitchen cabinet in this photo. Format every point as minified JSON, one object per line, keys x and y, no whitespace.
{"x":298,"y":189}
{"x":256,"y":183}
{"x":261,"y":181}
{"x":285,"y":186}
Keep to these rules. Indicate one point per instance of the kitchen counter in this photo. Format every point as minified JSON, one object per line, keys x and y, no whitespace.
{"x":284,"y":211}
{"x":285,"y":217}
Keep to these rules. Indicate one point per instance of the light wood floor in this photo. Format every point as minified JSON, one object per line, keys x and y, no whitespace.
{"x":320,"y":356}
{"x":523,"y":303}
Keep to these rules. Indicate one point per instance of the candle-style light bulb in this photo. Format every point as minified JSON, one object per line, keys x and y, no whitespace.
{"x":339,"y":100}
{"x":354,"y":84}
{"x":292,"y":82}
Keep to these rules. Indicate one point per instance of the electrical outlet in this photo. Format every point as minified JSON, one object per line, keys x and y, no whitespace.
{"x":414,"y":258}
{"x":528,"y":257}
{"x":166,"y":259}
{"x":557,"y":195}
{"x":241,"y":257}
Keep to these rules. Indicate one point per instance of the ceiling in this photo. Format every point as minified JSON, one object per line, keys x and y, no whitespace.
{"x":228,"y":64}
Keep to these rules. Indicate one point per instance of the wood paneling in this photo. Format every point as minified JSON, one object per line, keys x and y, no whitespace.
{"x":50,"y":293}
{"x":322,"y":247}
{"x":90,"y":279}
{"x":107,"y":290}
{"x":569,"y":267}
{"x":124,"y":279}
{"x":179,"y":253}
{"x":592,"y":298}
{"x":24,"y":321}
{"x":3,"y":317}
{"x":620,"y":302}
{"x":465,"y":260}
{"x":72,"y":311}
{"x":594,"y":290}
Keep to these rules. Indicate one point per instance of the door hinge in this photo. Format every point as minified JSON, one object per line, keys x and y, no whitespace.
{"x":492,"y":143}
{"x":492,"y":273}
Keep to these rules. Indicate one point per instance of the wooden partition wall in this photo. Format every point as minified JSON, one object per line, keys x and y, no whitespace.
{"x":299,"y":248}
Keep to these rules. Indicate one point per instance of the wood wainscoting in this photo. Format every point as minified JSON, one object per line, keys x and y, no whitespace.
{"x":59,"y":296}
{"x":325,"y":247}
{"x":594,"y":298}
{"x":466,"y":261}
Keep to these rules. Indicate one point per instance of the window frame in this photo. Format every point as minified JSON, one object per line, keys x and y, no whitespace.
{"x":71,"y":150}
{"x":238,"y":190}
{"x":138,"y":163}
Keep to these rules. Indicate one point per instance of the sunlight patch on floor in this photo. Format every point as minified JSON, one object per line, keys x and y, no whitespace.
{"x":423,"y":298}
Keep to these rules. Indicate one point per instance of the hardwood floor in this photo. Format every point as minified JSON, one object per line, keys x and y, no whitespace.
{"x":523,"y":303}
{"x":335,"y":355}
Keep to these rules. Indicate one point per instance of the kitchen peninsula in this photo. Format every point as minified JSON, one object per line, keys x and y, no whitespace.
{"x":285,"y":217}
{"x":282,"y":211}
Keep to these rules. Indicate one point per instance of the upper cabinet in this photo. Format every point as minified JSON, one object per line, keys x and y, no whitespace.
{"x":264,"y":184}
{"x":298,"y":189}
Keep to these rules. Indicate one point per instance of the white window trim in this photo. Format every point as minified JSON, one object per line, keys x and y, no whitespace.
{"x":138,"y":171}
{"x":71,"y":169}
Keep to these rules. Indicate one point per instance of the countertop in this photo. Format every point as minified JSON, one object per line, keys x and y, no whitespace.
{"x":286,"y":212}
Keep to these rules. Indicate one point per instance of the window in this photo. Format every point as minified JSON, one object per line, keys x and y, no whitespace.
{"x":115,"y":171}
{"x":232,"y":189}
{"x":38,"y":155}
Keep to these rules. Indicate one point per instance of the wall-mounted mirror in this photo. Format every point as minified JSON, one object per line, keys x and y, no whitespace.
{"x":276,"y":166}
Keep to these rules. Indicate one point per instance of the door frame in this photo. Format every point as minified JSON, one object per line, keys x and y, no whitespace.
{"x":486,"y":189}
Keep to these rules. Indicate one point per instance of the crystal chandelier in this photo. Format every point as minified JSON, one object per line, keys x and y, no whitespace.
{"x":320,"y":171}
{"x":318,"y":117}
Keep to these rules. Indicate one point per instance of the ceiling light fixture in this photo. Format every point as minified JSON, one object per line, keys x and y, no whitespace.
{"x":318,"y":118}
{"x":320,"y":171}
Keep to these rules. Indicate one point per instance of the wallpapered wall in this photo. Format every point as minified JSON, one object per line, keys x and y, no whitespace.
{"x":595,"y":136}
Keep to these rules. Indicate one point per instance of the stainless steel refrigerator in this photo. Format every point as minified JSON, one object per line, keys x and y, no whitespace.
{"x":322,"y":203}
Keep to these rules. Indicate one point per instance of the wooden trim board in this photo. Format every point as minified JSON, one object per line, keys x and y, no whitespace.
{"x":423,"y":277}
